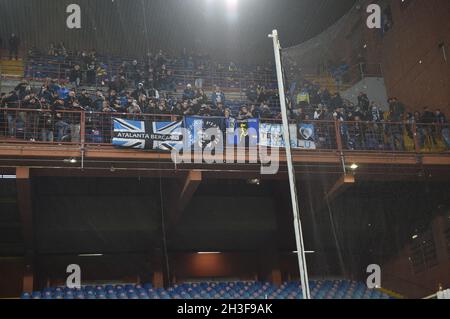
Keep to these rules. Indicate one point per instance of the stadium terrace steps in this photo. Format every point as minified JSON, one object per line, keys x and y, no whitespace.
{"x":12,"y":68}
{"x":235,"y":98}
{"x":326,"y":82}
{"x":321,"y":289}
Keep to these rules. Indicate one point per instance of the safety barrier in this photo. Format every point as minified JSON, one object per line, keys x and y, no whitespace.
{"x":18,"y":125}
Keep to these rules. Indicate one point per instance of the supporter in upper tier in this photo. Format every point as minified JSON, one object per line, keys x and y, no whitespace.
{"x":218,"y":111}
{"x":251,"y":93}
{"x":244,"y":113}
{"x":396,"y":109}
{"x":218,"y":96}
{"x":363,"y":102}
{"x":134,"y":108}
{"x":265,"y":111}
{"x":138,"y":91}
{"x":188,"y":93}
{"x":76,"y":76}
{"x":442,"y":123}
{"x":187,"y":108}
{"x":427,"y":116}
{"x":201,"y":96}
{"x":14,"y":43}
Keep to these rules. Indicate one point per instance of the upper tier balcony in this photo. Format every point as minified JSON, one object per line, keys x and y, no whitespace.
{"x":82,"y":142}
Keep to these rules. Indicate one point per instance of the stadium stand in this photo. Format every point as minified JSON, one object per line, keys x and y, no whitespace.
{"x":321,"y":289}
{"x":366,"y":187}
{"x":160,"y":85}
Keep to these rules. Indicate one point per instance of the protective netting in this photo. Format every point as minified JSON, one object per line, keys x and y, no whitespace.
{"x":310,"y":56}
{"x":371,"y":222}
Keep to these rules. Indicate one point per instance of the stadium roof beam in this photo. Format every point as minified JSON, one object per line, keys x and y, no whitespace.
{"x":23,"y":183}
{"x":344,"y":182}
{"x":182,"y":192}
{"x":46,"y":155}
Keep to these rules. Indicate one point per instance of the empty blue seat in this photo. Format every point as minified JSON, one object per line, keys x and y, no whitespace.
{"x":25,"y":295}
{"x":322,"y":289}
{"x":36,"y":295}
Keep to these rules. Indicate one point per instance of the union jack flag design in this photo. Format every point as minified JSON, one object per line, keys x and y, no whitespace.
{"x":144,"y":135}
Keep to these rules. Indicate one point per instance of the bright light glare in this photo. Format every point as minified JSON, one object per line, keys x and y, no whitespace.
{"x":232,"y":4}
{"x":209,"y":252}
{"x":90,"y":255}
{"x":8,"y":176}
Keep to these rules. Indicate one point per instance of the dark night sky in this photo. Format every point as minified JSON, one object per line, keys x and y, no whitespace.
{"x":128,"y":27}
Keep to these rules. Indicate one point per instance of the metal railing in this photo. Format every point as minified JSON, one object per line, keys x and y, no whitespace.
{"x":19,"y":125}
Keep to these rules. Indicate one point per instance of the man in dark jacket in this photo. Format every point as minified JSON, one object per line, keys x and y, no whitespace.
{"x":397,"y":110}
{"x":139,"y":91}
{"x":14,"y":43}
{"x":363,"y":102}
{"x":443,"y":126}
{"x":23,"y":89}
{"x":84,"y":99}
{"x":75,"y":76}
{"x":427,"y":116}
{"x":425,"y":127}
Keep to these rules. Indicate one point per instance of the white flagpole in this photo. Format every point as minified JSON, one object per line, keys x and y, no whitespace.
{"x":287,"y":141}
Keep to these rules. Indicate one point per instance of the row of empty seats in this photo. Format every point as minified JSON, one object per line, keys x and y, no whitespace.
{"x":321,"y":289}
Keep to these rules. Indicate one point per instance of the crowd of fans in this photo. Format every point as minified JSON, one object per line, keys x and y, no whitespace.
{"x":364,"y":124}
{"x":155,"y":71}
{"x":55,"y":98}
{"x":148,"y":87}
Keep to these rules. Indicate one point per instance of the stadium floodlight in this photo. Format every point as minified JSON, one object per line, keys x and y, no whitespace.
{"x":8,"y":176}
{"x":232,"y":4}
{"x":292,"y":183}
{"x":70,"y":160}
{"x":90,"y":255}
{"x":254,"y":181}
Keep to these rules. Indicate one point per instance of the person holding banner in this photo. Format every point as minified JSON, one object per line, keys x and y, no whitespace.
{"x":219,"y":111}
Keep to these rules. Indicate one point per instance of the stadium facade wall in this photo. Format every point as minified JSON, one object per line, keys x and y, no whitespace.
{"x":373,"y":87}
{"x":400,"y":275}
{"x":414,"y":66}
{"x":11,"y":277}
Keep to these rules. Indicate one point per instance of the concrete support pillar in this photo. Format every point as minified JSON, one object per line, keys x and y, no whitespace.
{"x":23,"y":184}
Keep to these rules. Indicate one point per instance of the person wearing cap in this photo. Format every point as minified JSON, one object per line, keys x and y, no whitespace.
{"x":189,"y":93}
{"x":139,"y":91}
{"x":319,"y":113}
{"x":205,"y":110}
